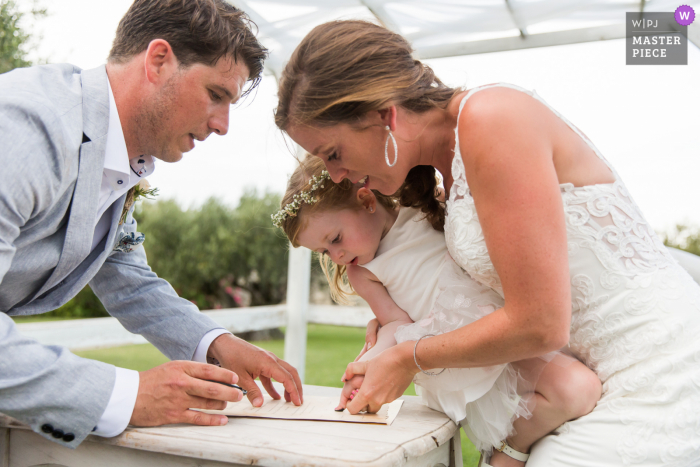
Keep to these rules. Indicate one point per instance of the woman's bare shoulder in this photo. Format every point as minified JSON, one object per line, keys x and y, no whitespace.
{"x":504,"y":117}
{"x":501,"y":104}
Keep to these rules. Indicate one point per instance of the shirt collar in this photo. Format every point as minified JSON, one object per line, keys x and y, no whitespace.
{"x":117,"y":166}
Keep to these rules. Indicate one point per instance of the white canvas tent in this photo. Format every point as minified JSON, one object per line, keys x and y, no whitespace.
{"x":446,"y":28}
{"x":436,"y":29}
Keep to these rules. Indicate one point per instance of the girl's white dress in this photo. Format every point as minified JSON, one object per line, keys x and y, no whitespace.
{"x":413,"y":264}
{"x":635,"y":322}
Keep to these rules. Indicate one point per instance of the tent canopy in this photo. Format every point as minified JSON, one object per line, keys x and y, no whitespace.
{"x":445,"y":28}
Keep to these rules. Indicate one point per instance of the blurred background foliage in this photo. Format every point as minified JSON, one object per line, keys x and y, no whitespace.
{"x":15,"y":38}
{"x":217,"y":256}
{"x":684,"y":237}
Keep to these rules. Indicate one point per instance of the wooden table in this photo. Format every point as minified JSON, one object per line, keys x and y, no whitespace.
{"x":418,"y":437}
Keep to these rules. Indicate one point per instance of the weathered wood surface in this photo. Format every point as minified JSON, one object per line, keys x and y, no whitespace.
{"x":419,"y":437}
{"x":4,"y":446}
{"x":94,"y":333}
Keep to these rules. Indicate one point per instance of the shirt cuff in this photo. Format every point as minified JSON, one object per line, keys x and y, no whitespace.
{"x":200,"y":353}
{"x":121,"y":404}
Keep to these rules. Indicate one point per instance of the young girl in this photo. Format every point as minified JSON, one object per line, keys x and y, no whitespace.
{"x":396,"y":260}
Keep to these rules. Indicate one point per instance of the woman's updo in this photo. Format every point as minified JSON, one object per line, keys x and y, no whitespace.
{"x":343,"y":69}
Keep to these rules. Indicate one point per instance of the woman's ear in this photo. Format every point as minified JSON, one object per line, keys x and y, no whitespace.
{"x":367,"y":199}
{"x":388,"y":117}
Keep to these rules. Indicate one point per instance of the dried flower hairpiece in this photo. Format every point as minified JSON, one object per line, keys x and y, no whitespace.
{"x":292,"y":209}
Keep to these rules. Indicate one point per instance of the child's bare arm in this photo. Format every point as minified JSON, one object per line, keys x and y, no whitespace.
{"x":388,"y":313}
{"x":375,"y":294}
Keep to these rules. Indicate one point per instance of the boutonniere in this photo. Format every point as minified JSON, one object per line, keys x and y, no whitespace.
{"x":142,"y":190}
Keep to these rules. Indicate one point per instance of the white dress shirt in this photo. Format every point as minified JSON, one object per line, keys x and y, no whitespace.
{"x":119,"y":176}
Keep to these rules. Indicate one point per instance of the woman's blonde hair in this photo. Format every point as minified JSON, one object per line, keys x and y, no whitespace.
{"x":343,"y":69}
{"x":329,"y":196}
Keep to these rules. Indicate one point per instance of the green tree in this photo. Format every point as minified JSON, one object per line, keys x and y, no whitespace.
{"x":218,"y":256}
{"x":15,"y":40}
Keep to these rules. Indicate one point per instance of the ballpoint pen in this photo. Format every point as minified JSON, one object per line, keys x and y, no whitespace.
{"x":234,"y":386}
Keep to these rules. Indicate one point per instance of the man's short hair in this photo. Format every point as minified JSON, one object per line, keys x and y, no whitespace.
{"x":199,"y":31}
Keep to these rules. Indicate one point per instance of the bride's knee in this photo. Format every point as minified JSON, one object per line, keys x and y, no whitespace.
{"x":575,"y":390}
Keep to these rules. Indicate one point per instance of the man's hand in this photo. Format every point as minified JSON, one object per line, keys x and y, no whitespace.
{"x":249,"y":362}
{"x":167,"y":392}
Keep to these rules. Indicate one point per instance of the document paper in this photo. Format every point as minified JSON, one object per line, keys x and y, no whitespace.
{"x":313,"y":408}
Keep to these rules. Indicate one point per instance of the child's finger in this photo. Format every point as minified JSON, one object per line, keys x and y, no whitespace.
{"x":371,"y":335}
{"x":343,"y":403}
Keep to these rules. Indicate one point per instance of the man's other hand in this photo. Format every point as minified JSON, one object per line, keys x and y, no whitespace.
{"x":168,"y":392}
{"x":249,"y":362}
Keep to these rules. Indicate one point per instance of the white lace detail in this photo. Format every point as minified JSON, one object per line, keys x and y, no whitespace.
{"x":635,"y":312}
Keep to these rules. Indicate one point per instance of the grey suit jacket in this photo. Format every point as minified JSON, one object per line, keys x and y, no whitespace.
{"x":53,"y":131}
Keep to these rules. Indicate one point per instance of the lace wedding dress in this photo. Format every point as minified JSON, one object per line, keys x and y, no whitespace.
{"x":635,"y":322}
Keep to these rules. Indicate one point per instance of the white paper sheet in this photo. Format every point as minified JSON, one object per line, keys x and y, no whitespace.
{"x":313,"y":408}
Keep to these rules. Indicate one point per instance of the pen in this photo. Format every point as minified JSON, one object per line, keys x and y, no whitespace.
{"x":234,"y":386}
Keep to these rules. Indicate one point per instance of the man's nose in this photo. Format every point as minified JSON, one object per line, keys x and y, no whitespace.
{"x":218,"y":123}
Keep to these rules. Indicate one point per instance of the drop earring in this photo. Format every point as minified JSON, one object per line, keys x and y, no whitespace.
{"x":386,"y":149}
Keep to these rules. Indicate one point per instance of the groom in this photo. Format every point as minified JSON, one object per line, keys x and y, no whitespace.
{"x":74,"y":142}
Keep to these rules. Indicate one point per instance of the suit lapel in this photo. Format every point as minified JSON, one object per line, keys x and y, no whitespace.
{"x":83,"y":210}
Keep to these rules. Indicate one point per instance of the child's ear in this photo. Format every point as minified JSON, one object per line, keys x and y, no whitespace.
{"x":367,"y":199}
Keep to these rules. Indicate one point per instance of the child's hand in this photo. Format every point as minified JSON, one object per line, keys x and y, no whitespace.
{"x":351,"y":387}
{"x":370,"y":336}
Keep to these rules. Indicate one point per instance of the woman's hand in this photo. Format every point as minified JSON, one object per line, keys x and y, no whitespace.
{"x":386,"y":378}
{"x":350,"y":388}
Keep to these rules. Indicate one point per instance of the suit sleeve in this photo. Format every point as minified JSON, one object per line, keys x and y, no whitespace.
{"x":58,"y":394}
{"x":148,"y":305}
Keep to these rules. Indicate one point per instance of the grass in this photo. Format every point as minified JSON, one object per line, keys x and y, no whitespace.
{"x":329,"y":349}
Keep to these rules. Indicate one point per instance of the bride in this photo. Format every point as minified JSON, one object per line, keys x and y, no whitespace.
{"x":535,"y":212}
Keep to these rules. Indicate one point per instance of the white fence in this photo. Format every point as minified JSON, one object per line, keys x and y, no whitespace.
{"x":95,"y":333}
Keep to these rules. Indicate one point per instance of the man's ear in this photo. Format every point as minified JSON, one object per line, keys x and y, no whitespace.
{"x":367,"y":199}
{"x":388,"y":117}
{"x":159,"y":61}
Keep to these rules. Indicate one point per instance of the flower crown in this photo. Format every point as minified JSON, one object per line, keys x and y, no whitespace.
{"x":292,"y":209}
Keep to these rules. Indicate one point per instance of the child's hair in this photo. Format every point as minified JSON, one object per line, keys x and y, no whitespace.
{"x":420,"y":190}
{"x":329,"y":196}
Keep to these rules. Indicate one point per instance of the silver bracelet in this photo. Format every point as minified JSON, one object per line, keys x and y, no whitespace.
{"x":416,"y":361}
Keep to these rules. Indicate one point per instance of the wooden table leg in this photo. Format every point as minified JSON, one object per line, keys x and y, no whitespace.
{"x":4,"y":447}
{"x":456,"y":450}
